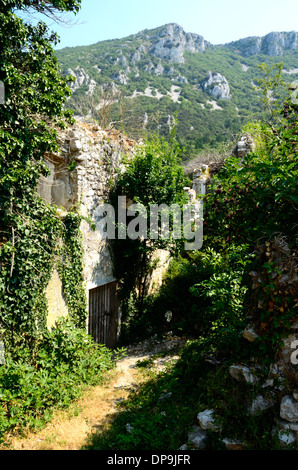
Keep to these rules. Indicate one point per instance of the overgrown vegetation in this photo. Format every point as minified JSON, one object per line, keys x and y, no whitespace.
{"x":153,"y":177}
{"x":43,"y":369}
{"x":35,"y":382}
{"x":160,"y":414}
{"x":238,"y":277}
{"x":35,"y":95}
{"x":250,"y":211}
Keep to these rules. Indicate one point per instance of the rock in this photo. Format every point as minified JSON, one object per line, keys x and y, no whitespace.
{"x":250,"y":334}
{"x":165,"y":397}
{"x":216,"y":85}
{"x":244,"y":146}
{"x":183,"y":447}
{"x":75,"y":145}
{"x":172,"y":41}
{"x":198,"y":438}
{"x":260,"y":403}
{"x":276,"y":43}
{"x":289,"y":409}
{"x":207,"y":421}
{"x":242,"y":373}
{"x":129,"y":428}
{"x":285,"y":438}
{"x":287,"y":425}
{"x":2,"y":352}
{"x":274,"y":372}
{"x":80,"y":158}
{"x":295,"y":394}
{"x":273,"y":44}
{"x":121,"y":77}
{"x":81,"y":78}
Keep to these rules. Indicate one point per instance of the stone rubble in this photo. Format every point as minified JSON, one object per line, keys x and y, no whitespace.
{"x":276,"y":395}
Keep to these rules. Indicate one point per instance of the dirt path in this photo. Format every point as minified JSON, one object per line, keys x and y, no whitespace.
{"x":69,"y":430}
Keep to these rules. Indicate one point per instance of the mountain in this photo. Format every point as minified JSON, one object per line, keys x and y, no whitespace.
{"x":142,"y":81}
{"x":273,"y":44}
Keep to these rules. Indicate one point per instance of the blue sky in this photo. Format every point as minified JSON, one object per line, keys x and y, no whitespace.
{"x":218,"y":21}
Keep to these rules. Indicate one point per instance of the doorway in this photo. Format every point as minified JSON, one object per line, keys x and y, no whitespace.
{"x":103,"y":314}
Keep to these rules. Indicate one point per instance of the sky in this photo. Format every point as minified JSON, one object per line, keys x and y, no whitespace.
{"x":218,"y":21}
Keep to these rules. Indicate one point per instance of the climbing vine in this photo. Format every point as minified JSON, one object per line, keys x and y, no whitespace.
{"x":31,"y":233}
{"x":26,"y":262}
{"x":40,"y":241}
{"x":70,"y":268}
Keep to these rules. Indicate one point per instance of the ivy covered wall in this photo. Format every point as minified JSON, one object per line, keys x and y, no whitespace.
{"x":81,"y":176}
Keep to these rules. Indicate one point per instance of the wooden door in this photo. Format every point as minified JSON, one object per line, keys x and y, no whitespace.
{"x":103,"y":314}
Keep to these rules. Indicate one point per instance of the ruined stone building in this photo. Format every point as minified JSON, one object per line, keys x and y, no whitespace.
{"x":82,"y":174}
{"x":97,"y":157}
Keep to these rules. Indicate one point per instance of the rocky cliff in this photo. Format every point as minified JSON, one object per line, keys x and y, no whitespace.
{"x":167,"y":71}
{"x":273,"y":44}
{"x":172,"y":41}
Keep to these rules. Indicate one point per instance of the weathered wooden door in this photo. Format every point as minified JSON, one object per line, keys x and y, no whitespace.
{"x":103,"y":314}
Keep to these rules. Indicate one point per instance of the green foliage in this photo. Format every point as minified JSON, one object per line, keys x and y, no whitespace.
{"x":199,"y":125}
{"x":35,"y":382}
{"x":161,"y":412}
{"x":273,"y":90}
{"x":206,"y":292}
{"x":31,"y":231}
{"x":156,"y":161}
{"x":225,"y":289}
{"x":149,"y":419}
{"x":71,"y":267}
{"x":256,"y":198}
{"x":210,"y":294}
{"x":27,"y":260}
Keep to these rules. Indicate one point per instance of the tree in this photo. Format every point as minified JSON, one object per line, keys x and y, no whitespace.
{"x":258,"y":196}
{"x":153,"y":177}
{"x":35,"y":94}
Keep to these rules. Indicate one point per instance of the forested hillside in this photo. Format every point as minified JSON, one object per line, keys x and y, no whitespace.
{"x":140,"y":82}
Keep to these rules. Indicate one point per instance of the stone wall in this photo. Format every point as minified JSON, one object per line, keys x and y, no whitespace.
{"x":82,"y":173}
{"x":275,"y":388}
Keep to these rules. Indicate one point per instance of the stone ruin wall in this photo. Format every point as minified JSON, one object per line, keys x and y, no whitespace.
{"x":97,"y":157}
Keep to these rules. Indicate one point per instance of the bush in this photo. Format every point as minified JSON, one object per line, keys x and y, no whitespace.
{"x":33,"y":383}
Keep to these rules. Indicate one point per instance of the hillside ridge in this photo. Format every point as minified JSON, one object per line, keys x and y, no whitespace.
{"x":166,"y":71}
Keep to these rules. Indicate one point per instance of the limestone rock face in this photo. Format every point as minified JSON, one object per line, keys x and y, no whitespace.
{"x":216,"y":85}
{"x":82,"y":78}
{"x":273,"y":44}
{"x":172,"y":42}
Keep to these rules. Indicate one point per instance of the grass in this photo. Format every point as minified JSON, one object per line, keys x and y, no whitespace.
{"x":160,"y":413}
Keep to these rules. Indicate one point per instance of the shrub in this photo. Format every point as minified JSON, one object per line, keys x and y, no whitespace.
{"x":33,"y":383}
